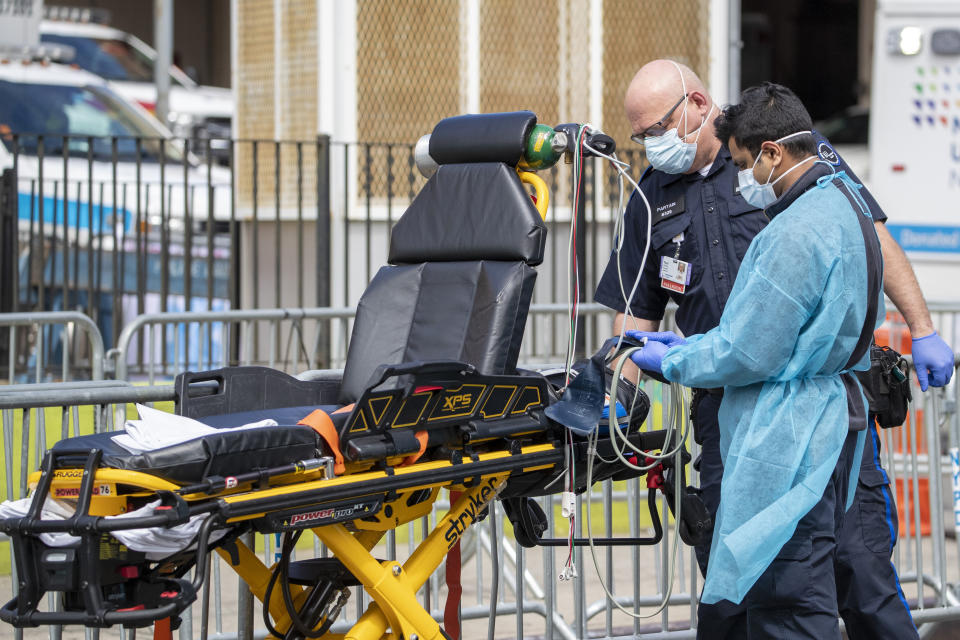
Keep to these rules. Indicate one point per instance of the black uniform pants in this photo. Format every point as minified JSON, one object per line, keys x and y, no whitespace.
{"x":871,"y":601}
{"x":867,"y":593}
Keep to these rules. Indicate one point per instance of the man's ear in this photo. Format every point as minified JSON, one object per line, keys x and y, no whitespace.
{"x":773,"y":151}
{"x":699,"y":99}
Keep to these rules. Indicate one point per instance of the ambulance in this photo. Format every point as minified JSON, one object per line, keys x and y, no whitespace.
{"x":915,"y":136}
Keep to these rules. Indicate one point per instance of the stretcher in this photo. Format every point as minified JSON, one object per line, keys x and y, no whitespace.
{"x":430,"y":399}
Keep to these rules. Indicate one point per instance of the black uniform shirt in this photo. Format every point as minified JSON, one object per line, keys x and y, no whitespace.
{"x":701,"y":220}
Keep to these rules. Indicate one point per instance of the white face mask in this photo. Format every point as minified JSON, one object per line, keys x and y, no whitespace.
{"x":763,"y":195}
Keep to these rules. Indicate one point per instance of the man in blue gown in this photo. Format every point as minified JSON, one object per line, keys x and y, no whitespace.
{"x":798,"y":322}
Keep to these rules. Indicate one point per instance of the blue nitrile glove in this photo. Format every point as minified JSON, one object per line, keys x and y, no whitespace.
{"x":668,"y":338}
{"x":933,"y":360}
{"x":650,"y":357}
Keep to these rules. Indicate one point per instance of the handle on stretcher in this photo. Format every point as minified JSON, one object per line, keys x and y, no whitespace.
{"x":431,"y":367}
{"x":617,"y":542}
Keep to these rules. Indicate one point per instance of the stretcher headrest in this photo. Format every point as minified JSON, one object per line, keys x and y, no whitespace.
{"x":482,"y":137}
{"x":469,"y":212}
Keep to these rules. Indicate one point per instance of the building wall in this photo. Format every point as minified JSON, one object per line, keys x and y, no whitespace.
{"x":520,"y":53}
{"x":636,"y":32}
{"x":418,"y":61}
{"x":379,"y":72}
{"x":407,"y":67}
{"x":277,"y":103}
{"x":413,"y":66}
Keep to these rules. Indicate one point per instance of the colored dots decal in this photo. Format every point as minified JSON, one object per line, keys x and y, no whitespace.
{"x":929,"y":110}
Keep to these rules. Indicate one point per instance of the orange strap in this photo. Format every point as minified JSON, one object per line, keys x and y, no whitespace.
{"x":422,"y":438}
{"x":320,"y":422}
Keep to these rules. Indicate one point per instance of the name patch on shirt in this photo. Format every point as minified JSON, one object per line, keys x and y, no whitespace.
{"x":668,"y":209}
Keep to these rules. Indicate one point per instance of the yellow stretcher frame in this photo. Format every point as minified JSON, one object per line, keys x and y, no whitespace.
{"x":394,"y":612}
{"x":392,"y":586}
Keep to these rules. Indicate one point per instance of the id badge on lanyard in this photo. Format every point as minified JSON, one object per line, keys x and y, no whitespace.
{"x":675,"y":273}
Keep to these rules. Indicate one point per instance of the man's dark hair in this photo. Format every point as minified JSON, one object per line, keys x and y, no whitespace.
{"x":766,"y":112}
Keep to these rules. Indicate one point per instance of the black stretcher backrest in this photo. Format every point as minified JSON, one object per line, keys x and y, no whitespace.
{"x":460,"y":278}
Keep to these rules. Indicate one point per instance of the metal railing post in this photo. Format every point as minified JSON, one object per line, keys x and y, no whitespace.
{"x":323,"y":250}
{"x":8,"y":242}
{"x":8,"y":257}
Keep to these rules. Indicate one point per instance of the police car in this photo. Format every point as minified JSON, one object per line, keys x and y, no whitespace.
{"x":50,"y":105}
{"x":126,"y":63}
{"x":85,"y":182}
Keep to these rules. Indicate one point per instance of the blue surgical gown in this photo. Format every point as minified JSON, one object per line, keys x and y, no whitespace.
{"x":791,"y":325}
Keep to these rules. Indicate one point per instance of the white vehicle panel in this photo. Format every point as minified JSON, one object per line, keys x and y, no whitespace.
{"x":915,"y":137}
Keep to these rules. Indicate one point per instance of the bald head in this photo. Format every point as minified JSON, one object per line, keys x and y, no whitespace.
{"x":657,"y":87}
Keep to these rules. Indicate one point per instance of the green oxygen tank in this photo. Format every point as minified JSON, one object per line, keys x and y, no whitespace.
{"x":544,"y":147}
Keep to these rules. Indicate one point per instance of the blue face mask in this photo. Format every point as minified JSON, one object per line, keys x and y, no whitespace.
{"x":759,"y":195}
{"x":669,"y":153}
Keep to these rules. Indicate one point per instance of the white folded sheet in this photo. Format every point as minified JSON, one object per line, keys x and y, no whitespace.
{"x":157,"y":429}
{"x":156,"y":542}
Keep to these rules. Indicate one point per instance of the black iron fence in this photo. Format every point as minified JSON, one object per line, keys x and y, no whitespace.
{"x":117,"y":227}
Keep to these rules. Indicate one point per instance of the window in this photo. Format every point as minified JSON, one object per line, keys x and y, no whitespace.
{"x":58,"y":111}
{"x":108,"y":58}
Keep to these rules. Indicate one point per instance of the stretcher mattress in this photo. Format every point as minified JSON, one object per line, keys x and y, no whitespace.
{"x":218,"y":454}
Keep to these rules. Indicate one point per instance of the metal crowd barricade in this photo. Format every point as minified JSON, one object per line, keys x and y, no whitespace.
{"x":165,"y":344}
{"x":529,"y":599}
{"x":170,"y":343}
{"x":41,"y":324}
{"x":161,"y":345}
{"x":921,"y":458}
{"x":33,"y":417}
